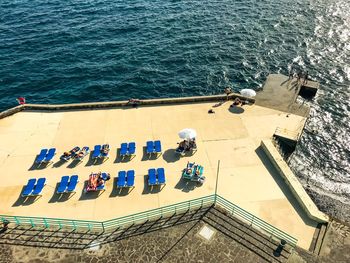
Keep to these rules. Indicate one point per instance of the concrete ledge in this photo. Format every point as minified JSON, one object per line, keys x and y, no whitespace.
{"x":114,"y":104}
{"x":11,"y":111}
{"x":292,"y":182}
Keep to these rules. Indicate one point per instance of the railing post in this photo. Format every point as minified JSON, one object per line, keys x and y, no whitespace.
{"x":103,"y":227}
{"x":45,"y":223}
{"x":31,"y":222}
{"x":216,"y":184}
{"x":252,"y":222}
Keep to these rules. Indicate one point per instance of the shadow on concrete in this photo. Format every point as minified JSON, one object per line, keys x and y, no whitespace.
{"x":95,"y":161}
{"x":59,"y":163}
{"x":118,"y":191}
{"x":149,"y":157}
{"x":284,"y":187}
{"x":147,"y":189}
{"x":24,"y":201}
{"x":89,"y":195}
{"x":235,"y":109}
{"x":185,"y":185}
{"x":70,"y":237}
{"x":123,"y":159}
{"x":285,"y":81}
{"x":60,"y":197}
{"x":170,"y":156}
{"x":74,"y":163}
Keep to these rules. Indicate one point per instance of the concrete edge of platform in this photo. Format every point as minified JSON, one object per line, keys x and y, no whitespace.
{"x":117,"y":104}
{"x":293,"y":183}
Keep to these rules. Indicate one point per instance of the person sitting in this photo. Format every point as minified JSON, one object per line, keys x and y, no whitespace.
{"x":100,"y":181}
{"x":192,"y":144}
{"x":181,"y":148}
{"x":237,"y":101}
{"x":105,"y":148}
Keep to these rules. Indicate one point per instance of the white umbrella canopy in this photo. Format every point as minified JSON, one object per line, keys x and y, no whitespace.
{"x":248,"y":93}
{"x":187,"y":134}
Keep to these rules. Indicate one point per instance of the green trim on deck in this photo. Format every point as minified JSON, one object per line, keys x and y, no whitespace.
{"x":160,"y":212}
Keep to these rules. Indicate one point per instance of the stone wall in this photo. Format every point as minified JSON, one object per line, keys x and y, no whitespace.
{"x":117,"y":104}
{"x":292,"y":182}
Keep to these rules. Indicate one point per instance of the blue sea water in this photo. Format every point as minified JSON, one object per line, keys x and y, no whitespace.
{"x":78,"y":51}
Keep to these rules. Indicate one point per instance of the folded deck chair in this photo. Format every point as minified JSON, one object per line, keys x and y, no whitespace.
{"x":39,"y":186}
{"x":150,"y":147}
{"x":131,"y":148}
{"x":105,"y":150}
{"x":63,"y":184}
{"x":130,"y":178}
{"x":50,"y":154}
{"x":41,"y":156}
{"x":72,"y":183}
{"x":123,"y":149}
{"x":152,"y":179}
{"x":157,"y":147}
{"x":121,"y":179}
{"x":97,"y":151}
{"x":161,"y":175}
{"x":29,"y":187}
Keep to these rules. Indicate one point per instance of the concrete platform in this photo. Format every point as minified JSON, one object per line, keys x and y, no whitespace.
{"x":280,"y":93}
{"x":231,"y":136}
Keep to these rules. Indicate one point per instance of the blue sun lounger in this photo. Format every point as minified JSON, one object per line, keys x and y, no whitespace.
{"x":123,"y":149}
{"x":131,"y":148}
{"x":161,"y":175}
{"x":41,"y":156}
{"x":121,"y":179}
{"x":97,"y":152}
{"x":149,"y":147}
{"x":152,"y":179}
{"x":72,"y":183}
{"x":63,"y":184}
{"x":130,"y":178}
{"x":29,"y":187}
{"x":157,"y":147}
{"x":39,"y":186}
{"x":50,"y":154}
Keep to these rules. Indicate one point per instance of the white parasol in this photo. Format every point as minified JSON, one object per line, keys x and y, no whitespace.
{"x":187,"y":134}
{"x":248,"y":93}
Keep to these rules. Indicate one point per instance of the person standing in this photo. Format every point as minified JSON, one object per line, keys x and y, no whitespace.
{"x":228,"y":91}
{"x":306,"y":77}
{"x":291,"y":74}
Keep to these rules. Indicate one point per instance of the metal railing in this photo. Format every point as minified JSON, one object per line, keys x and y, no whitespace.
{"x":150,"y":215}
{"x":254,"y":221}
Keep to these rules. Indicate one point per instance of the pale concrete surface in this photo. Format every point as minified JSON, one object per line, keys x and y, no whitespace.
{"x":231,"y":135}
{"x":291,"y":180}
{"x":280,"y":93}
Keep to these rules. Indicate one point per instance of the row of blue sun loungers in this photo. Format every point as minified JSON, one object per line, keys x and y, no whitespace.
{"x":100,"y":151}
{"x":153,"y":147}
{"x":67,"y":184}
{"x":34,"y":187}
{"x":45,"y":155}
{"x":156,"y":176}
{"x":126,"y":179}
{"x":127,"y":149}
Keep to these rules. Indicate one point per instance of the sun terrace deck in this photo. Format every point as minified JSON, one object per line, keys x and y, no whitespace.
{"x":232,"y":136}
